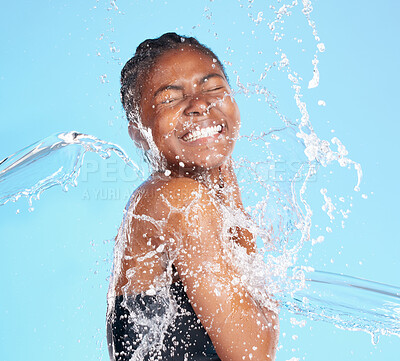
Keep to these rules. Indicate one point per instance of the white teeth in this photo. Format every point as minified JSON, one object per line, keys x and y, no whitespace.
{"x":202,"y":133}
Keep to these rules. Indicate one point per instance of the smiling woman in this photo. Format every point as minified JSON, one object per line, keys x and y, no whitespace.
{"x":185,"y":100}
{"x":176,"y":294}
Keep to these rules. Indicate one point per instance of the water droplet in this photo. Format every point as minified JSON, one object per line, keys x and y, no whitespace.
{"x":151,"y":292}
{"x":319,"y":239}
{"x":321,"y":47}
{"x":374,"y":339}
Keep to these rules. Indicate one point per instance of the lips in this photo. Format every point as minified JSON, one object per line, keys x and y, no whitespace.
{"x":205,"y":132}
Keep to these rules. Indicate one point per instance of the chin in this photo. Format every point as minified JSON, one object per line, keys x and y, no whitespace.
{"x":212,"y":162}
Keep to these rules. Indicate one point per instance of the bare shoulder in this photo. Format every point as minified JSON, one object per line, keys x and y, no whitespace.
{"x":164,"y":207}
{"x":162,"y":196}
{"x":156,"y":214}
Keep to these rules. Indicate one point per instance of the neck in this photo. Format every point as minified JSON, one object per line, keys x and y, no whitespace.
{"x":210,"y":177}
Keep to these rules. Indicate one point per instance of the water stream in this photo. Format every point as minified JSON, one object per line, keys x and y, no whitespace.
{"x":347,"y":302}
{"x":274,"y":174}
{"x":55,"y":160}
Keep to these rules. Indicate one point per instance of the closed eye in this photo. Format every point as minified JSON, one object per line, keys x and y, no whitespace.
{"x":168,"y":101}
{"x":168,"y":94}
{"x":172,"y":99}
{"x":218,"y":88}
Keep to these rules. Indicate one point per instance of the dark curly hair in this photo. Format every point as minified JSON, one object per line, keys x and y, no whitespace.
{"x":141,"y":63}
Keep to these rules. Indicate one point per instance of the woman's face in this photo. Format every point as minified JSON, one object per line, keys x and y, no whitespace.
{"x":186,"y":102}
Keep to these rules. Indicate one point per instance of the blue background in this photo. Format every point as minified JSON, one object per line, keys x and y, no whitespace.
{"x":59,"y":71}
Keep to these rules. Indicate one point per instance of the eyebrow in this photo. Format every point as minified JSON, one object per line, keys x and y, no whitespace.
{"x":167,"y":87}
{"x":212,"y":75}
{"x":178,"y":87}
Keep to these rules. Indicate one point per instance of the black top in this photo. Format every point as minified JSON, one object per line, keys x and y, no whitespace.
{"x":185,"y":338}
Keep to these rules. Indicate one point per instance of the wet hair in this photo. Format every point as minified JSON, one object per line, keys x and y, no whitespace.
{"x":139,"y":66}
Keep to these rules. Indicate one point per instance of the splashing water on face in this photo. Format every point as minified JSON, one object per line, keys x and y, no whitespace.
{"x":274,"y":183}
{"x":345,"y":301}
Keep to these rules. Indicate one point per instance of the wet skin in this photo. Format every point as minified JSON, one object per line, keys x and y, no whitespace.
{"x":185,"y":92}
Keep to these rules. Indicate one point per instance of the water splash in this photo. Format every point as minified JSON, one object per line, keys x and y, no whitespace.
{"x":348,"y":302}
{"x":55,"y":160}
{"x":22,"y":175}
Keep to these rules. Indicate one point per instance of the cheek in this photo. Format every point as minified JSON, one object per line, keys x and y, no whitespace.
{"x":168,"y":121}
{"x":233,"y":112}
{"x":230,"y":106}
{"x":164,"y":129}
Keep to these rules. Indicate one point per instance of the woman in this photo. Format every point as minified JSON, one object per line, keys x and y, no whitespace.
{"x":176,"y":292}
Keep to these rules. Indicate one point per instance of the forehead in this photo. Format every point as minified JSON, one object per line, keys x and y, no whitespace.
{"x":183,"y":63}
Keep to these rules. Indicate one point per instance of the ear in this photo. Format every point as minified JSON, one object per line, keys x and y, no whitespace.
{"x":137,"y":137}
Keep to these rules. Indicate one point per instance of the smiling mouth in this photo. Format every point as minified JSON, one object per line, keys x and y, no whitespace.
{"x":202,"y":133}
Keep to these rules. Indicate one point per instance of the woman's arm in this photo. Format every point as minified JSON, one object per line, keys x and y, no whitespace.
{"x":231,"y":197}
{"x":238,"y":328}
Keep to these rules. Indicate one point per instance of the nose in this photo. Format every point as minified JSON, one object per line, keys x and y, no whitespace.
{"x":197,"y":104}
